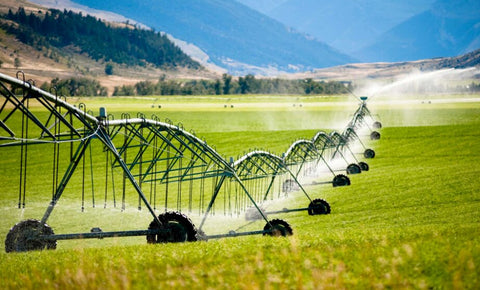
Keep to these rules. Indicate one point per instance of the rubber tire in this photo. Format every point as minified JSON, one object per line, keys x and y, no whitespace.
{"x":377,"y":125}
{"x":277,"y":228}
{"x":22,"y":237}
{"x":318,"y":206}
{"x":354,"y":169}
{"x":364,"y":166}
{"x":369,"y":153}
{"x":374,"y":135}
{"x":181,"y":229}
{"x":340,"y":180}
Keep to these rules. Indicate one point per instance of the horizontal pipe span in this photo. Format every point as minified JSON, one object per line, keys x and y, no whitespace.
{"x":101,"y":235}
{"x":285,"y":210}
{"x":233,"y":234}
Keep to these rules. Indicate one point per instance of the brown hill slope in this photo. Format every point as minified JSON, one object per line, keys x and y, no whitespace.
{"x":360,"y":71}
{"x":46,"y":64}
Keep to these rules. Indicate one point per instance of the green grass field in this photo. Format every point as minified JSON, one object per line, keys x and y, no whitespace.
{"x":412,"y":221}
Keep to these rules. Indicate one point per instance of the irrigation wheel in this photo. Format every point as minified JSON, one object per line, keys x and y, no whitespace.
{"x":277,"y":228}
{"x":318,"y":206}
{"x":364,"y":166}
{"x":340,"y":180}
{"x":374,"y":135}
{"x":177,"y":228}
{"x":369,"y":153}
{"x":354,"y":169}
{"x":377,"y":125}
{"x":26,"y":236}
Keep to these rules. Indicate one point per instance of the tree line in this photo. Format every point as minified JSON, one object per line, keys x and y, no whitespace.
{"x":75,"y":87}
{"x":228,"y":85}
{"x":221,"y":86}
{"x":124,"y":45}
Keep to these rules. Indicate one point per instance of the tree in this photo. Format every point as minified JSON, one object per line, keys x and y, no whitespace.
{"x":309,"y":86}
{"x":144,"y":88}
{"x":17,"y":63}
{"x":217,"y":87}
{"x":124,"y":91}
{"x":109,"y":69}
{"x":242,"y":83}
{"x":77,"y":87}
{"x":248,"y":85}
{"x":227,"y":83}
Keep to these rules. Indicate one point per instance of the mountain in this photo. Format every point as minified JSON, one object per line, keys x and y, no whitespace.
{"x":344,"y":24}
{"x":234,"y":36}
{"x":448,"y":28}
{"x":264,"y":6}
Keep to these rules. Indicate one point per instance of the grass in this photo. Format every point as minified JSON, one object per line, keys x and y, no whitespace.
{"x":412,"y":221}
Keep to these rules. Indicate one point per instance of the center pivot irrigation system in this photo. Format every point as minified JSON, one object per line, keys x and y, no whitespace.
{"x":170,"y":170}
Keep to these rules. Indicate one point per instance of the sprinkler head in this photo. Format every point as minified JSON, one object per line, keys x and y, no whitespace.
{"x":102,"y":114}
{"x":363,"y":98}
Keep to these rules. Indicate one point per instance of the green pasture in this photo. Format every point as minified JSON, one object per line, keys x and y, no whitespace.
{"x":412,"y":221}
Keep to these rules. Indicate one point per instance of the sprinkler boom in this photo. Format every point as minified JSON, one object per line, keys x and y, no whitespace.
{"x":169,"y":171}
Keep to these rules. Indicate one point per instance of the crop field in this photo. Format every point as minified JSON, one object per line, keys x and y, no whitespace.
{"x":411,"y":221}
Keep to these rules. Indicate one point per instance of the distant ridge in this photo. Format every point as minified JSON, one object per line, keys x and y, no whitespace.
{"x":234,"y":36}
{"x":347,"y":25}
{"x":383,"y":30}
{"x":449,"y":28}
{"x":361,"y":71}
{"x":471,"y":59}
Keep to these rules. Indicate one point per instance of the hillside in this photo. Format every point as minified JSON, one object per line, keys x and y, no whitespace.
{"x":448,"y":28}
{"x":44,"y":60}
{"x":388,"y":70}
{"x":122,"y":45}
{"x":234,"y":36}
